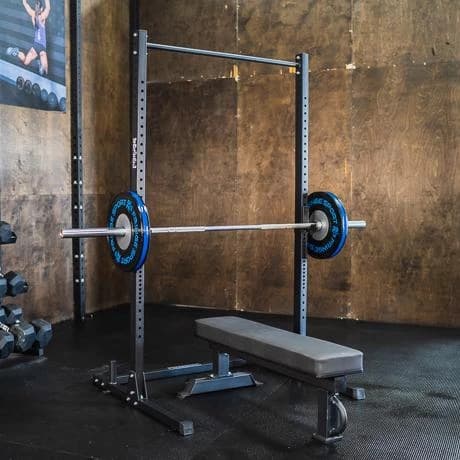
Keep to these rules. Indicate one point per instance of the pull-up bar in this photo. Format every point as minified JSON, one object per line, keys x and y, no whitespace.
{"x":218,"y":54}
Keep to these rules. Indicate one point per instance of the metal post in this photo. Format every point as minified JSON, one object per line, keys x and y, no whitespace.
{"x":221,"y":362}
{"x":301,"y":195}
{"x":113,"y":372}
{"x":135,"y":393}
{"x":79,"y":293}
{"x":138,"y":163}
{"x":134,"y":15}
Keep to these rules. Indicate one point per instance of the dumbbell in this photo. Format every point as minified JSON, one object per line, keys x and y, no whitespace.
{"x":24,"y":335}
{"x":3,"y":286}
{"x":6,"y":344}
{"x":23,"y":332}
{"x":7,"y":236}
{"x":16,"y":284}
{"x":11,"y":314}
{"x":6,"y":339}
{"x":43,"y":333}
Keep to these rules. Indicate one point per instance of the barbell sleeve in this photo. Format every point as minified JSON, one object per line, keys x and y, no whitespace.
{"x":101,"y":232}
{"x":357,"y":224}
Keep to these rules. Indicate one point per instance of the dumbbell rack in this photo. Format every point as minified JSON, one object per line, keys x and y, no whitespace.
{"x":33,"y":354}
{"x":132,"y":387}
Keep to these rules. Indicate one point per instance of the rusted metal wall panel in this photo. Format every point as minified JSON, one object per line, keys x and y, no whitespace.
{"x":106,"y":136}
{"x":405,"y":32}
{"x":208,"y":24}
{"x":384,"y":137}
{"x":330,"y":169}
{"x":265,"y":192}
{"x":39,"y":254}
{"x":406,"y":148}
{"x":281,"y":29}
{"x":191,"y":174}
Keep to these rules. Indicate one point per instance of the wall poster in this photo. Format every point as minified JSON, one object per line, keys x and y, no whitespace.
{"x":32,"y":54}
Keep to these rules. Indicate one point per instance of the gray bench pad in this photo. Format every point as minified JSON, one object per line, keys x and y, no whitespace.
{"x":306,"y":354}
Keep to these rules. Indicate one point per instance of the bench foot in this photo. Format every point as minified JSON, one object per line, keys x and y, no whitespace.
{"x":356,"y":393}
{"x":329,"y":440}
{"x":332,"y":418}
{"x":217,"y":383}
{"x":220,"y":379}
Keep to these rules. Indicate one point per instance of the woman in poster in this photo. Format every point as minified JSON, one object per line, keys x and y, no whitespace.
{"x":39,"y":15}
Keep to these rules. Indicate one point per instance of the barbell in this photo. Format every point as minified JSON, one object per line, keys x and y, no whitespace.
{"x":128,"y":228}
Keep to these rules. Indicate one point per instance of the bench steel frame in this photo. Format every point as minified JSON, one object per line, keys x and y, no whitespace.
{"x":132,"y":387}
{"x":332,"y":416}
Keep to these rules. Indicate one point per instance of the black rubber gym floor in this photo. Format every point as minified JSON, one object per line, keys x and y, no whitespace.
{"x":412,"y":411}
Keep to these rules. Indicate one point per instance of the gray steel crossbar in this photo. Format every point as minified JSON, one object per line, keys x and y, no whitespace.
{"x":219,"y":54}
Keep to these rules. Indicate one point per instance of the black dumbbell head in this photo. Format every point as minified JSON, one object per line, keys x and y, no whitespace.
{"x":3,"y":287}
{"x":43,"y":332}
{"x":16,"y":284}
{"x":7,"y":236}
{"x":6,"y":344}
{"x":24,"y":336}
{"x":12,"y":314}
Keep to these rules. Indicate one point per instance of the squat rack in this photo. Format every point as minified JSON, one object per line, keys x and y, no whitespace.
{"x":135,"y":392}
{"x":301,"y":65}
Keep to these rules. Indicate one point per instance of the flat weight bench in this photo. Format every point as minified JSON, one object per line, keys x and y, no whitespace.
{"x":316,"y":362}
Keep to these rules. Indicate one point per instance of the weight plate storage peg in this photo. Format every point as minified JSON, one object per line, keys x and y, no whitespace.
{"x":128,"y":211}
{"x":330,"y":238}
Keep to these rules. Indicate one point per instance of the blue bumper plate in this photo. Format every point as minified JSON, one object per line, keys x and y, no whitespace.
{"x":130,"y":209}
{"x":325,"y":245}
